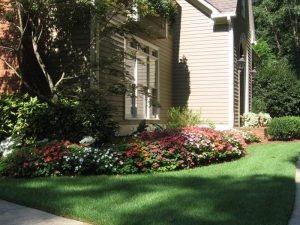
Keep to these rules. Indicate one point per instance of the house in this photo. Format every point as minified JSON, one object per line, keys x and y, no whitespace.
{"x":204,"y":62}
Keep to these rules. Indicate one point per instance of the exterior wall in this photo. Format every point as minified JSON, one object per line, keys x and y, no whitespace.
{"x":115,"y":44}
{"x":242,"y":35}
{"x":9,"y":82}
{"x":201,"y":64}
{"x":165,"y":84}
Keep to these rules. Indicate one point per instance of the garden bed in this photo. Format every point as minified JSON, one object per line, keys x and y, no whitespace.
{"x":146,"y":152}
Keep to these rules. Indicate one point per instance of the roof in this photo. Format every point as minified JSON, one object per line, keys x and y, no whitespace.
{"x":224,"y":6}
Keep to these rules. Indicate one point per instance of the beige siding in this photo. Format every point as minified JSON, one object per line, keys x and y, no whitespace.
{"x":110,"y":46}
{"x":201,"y":64}
{"x":236,"y":90}
{"x":242,"y":36}
{"x":165,"y":79}
{"x":249,"y":46}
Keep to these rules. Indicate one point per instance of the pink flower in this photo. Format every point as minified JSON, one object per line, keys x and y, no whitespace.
{"x":36,"y":163}
{"x":25,"y":164}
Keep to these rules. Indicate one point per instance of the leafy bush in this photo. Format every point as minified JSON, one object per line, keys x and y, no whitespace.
{"x":276,"y":90}
{"x":94,"y":113}
{"x":16,"y":111}
{"x":55,"y":123}
{"x":256,"y":120}
{"x":285,"y":128}
{"x":25,"y":115}
{"x":182,"y":117}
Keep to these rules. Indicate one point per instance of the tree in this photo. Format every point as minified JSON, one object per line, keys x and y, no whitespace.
{"x":277,"y":23}
{"x":276,"y":89}
{"x":41,"y":29}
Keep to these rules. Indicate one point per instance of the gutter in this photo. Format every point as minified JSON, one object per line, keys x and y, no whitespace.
{"x":223,"y":18}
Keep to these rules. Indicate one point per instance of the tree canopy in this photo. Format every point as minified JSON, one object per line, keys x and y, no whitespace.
{"x":277,"y":24}
{"x":39,"y":29}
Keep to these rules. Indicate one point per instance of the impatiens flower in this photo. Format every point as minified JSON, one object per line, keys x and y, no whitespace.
{"x":48,"y":159}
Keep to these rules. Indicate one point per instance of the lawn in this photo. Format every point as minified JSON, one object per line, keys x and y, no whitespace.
{"x":258,"y":189}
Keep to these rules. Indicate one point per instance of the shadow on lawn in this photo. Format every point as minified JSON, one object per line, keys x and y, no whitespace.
{"x":160,"y":199}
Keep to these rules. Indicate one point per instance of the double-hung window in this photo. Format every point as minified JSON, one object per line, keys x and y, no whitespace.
{"x":142,"y":64}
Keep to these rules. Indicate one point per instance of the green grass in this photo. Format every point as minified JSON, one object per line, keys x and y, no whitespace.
{"x":256,"y":190}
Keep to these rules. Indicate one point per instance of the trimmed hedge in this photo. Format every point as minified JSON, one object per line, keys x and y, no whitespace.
{"x":284,"y":128}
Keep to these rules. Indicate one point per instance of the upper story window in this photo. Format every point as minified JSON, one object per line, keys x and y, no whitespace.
{"x":142,"y":64}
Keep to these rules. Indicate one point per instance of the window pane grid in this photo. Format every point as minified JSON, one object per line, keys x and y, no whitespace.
{"x":143,"y":101}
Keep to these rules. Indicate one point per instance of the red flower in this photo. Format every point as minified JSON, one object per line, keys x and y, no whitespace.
{"x":25,"y":164}
{"x":48,"y":159}
{"x":36,"y":163}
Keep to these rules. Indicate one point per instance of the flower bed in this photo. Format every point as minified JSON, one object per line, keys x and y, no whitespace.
{"x":147,"y":152}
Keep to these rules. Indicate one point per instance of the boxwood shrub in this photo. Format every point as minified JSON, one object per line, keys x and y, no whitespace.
{"x":284,"y":128}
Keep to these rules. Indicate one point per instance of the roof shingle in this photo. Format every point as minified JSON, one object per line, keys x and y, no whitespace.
{"x":224,"y":5}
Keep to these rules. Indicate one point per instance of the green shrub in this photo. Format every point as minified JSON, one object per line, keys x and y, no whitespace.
{"x":182,"y":117}
{"x":284,"y":128}
{"x":72,"y":120}
{"x":55,"y":123}
{"x":91,"y":115}
{"x":276,"y":90}
{"x":95,"y":115}
{"x":16,"y":111}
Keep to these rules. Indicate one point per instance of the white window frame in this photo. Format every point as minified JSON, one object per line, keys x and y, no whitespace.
{"x":147,"y":106}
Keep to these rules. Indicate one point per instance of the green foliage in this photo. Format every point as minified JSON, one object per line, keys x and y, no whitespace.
{"x":182,"y":117}
{"x":277,"y":24}
{"x":94,"y":113}
{"x":24,"y":115}
{"x":264,"y":51}
{"x":285,"y":128}
{"x":16,"y":111}
{"x":276,"y":90}
{"x":55,"y":123}
{"x":50,"y":38}
{"x":90,"y":116}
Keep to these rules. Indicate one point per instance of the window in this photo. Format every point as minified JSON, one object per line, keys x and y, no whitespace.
{"x":142,"y":64}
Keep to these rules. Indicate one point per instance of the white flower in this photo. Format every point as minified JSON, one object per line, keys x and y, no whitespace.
{"x":87,"y":140}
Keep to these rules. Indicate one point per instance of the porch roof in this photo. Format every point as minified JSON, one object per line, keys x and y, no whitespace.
{"x":224,"y":6}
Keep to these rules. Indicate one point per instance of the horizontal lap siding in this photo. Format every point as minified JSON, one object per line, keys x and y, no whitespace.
{"x":249,"y":46}
{"x":165,"y":78}
{"x":202,"y":82}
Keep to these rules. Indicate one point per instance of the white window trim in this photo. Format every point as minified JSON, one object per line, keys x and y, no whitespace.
{"x":156,"y":48}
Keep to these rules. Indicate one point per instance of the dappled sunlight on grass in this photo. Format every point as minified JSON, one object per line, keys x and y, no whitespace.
{"x":258,"y":189}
